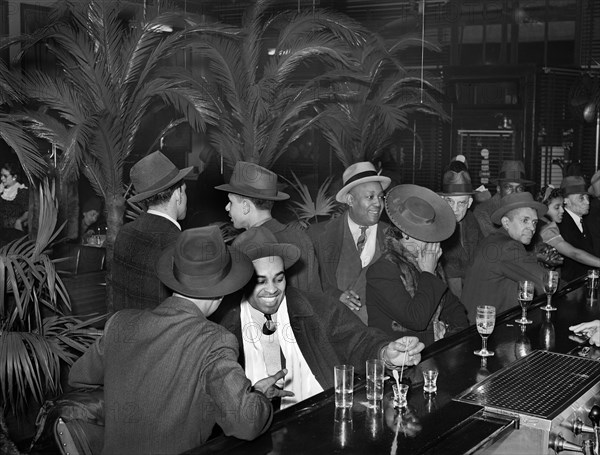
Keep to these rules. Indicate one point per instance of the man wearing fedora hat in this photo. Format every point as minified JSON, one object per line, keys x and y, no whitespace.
{"x":575,"y":227}
{"x":459,"y":248}
{"x":354,"y":240}
{"x":169,"y":374}
{"x":252,"y":192}
{"x":511,"y":179}
{"x":159,"y":184}
{"x":277,"y":324}
{"x":501,"y":259}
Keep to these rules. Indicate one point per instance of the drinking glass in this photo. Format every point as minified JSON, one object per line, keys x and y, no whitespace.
{"x":343,"y":377}
{"x":485,"y":321}
{"x":525,"y":296}
{"x":551,"y":278}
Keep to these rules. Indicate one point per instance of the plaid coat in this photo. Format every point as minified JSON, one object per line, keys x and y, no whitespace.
{"x":137,"y":248}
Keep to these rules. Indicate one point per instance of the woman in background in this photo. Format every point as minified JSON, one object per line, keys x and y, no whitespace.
{"x":14,"y":204}
{"x":549,"y":232}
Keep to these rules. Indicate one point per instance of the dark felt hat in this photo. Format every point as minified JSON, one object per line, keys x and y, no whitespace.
{"x":358,"y":173}
{"x":259,"y":242}
{"x":200,"y":265}
{"x":512,"y":171}
{"x":516,"y":201}
{"x":573,"y":184}
{"x":154,"y":173}
{"x":252,"y":180}
{"x":420,"y":213}
{"x":456,"y":184}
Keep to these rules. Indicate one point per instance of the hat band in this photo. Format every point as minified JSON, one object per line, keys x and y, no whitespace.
{"x":244,"y":188}
{"x":166,"y":179}
{"x":201,"y":281}
{"x":574,"y":189}
{"x":511,"y":175}
{"x":360,"y":175}
{"x":458,"y":188}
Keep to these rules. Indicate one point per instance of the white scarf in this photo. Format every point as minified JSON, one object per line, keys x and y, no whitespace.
{"x":10,"y":193}
{"x":300,"y":379}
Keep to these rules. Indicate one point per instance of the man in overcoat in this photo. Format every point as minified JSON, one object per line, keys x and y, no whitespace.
{"x":354,"y":240}
{"x":501,"y":260}
{"x":168,"y":373}
{"x":160,"y":185}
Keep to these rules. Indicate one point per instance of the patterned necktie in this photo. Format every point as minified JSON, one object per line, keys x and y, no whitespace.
{"x":270,"y":326}
{"x":362,"y":239}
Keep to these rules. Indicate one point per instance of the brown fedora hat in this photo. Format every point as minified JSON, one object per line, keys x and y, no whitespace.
{"x":420,"y":213}
{"x":200,"y":265}
{"x":512,"y":171}
{"x":516,"y":201}
{"x":154,"y":173}
{"x":252,"y":180}
{"x":358,"y":173}
{"x":259,"y":242}
{"x":456,"y":184}
{"x":573,"y":184}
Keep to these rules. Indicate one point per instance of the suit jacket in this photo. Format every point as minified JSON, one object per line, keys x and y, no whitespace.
{"x":459,"y":249}
{"x":572,"y":269}
{"x":483,"y":213}
{"x":304,"y":274}
{"x":137,"y":248}
{"x":327,"y":333}
{"x":500,"y":263}
{"x":169,"y":375}
{"x":328,"y":249}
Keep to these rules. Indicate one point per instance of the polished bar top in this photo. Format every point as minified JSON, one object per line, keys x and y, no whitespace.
{"x":431,"y":423}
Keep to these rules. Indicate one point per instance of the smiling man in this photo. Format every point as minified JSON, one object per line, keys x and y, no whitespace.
{"x":501,"y":260}
{"x":353,"y":241}
{"x":282,"y":327}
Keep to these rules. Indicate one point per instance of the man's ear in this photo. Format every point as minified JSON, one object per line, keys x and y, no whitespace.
{"x":470,"y":202}
{"x":349,"y":199}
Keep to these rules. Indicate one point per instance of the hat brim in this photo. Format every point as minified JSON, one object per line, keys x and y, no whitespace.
{"x":443,"y":225}
{"x":341,"y":194}
{"x":288,"y":252}
{"x":240,"y":273}
{"x":280,"y":196}
{"x":459,"y":193}
{"x":146,"y":194}
{"x":540,"y":208}
{"x":521,"y":181}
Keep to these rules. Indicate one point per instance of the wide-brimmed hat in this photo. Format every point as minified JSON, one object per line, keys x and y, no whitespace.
{"x":512,"y":171}
{"x":200,"y":265}
{"x":595,"y":178}
{"x":573,"y":184}
{"x":358,"y":173}
{"x":516,"y":201}
{"x":420,"y":213}
{"x":259,"y":242}
{"x":252,"y":180}
{"x":154,"y":173}
{"x":456,"y":184}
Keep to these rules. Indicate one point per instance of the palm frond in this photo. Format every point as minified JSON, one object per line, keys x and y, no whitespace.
{"x":307,"y":208}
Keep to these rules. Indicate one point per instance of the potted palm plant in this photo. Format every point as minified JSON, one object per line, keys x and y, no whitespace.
{"x":37,"y":336}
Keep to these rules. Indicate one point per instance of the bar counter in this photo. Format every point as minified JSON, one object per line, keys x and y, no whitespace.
{"x":431,"y":423}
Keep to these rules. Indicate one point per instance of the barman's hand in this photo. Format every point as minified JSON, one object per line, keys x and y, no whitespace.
{"x":351,"y":299}
{"x":268,"y":387}
{"x":405,"y":350}
{"x":589,"y":329}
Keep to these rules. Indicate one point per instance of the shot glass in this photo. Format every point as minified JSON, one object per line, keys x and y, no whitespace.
{"x":400,"y":395}
{"x":343,"y":377}
{"x":593,"y":277}
{"x":430,"y":381}
{"x":375,"y":371}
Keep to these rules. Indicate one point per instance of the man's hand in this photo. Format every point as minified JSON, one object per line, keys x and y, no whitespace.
{"x":351,"y":299}
{"x":268,"y":387}
{"x":549,"y":257}
{"x":589,"y":329}
{"x":404,"y":351}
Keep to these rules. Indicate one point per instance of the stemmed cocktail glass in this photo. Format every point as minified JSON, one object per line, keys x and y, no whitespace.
{"x":525,"y":296}
{"x":551,"y":278}
{"x":485,"y":321}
